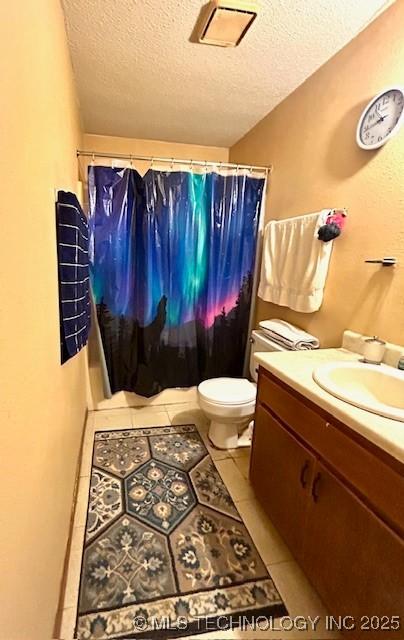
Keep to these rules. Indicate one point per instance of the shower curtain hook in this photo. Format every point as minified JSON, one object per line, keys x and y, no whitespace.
{"x":172,"y":164}
{"x":130,"y":160}
{"x":92,"y":160}
{"x":206,"y":166}
{"x":191,"y":165}
{"x":152,"y":163}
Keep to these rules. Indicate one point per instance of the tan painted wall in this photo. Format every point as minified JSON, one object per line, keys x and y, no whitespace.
{"x":42,"y":405}
{"x":108,"y":144}
{"x":310,"y":138}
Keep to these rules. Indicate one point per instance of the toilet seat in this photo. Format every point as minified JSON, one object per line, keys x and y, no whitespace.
{"x":229,"y":403}
{"x":228,"y":391}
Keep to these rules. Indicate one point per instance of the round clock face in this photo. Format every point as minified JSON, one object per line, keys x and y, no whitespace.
{"x":381,"y":119}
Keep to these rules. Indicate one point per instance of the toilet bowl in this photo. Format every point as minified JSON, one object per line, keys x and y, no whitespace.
{"x":229,"y":403}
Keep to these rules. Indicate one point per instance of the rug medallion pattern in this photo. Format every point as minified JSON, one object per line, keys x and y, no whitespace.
{"x":164,"y":541}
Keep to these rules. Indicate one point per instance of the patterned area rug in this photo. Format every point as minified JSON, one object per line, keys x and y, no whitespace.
{"x":166,"y":553}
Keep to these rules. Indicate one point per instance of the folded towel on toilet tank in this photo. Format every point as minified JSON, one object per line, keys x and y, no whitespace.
{"x":288,"y":335}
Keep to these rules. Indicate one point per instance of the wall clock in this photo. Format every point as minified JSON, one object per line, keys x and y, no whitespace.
{"x":381,"y":118}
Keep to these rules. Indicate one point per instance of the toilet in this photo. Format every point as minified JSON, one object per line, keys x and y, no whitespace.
{"x":229,"y":403}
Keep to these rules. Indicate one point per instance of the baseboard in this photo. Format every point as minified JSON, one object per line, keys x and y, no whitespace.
{"x":59,"y":612}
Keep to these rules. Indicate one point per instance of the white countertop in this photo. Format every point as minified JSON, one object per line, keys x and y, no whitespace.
{"x":295,"y":368}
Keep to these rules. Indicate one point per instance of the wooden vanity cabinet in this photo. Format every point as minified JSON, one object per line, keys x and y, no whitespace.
{"x":281,"y":478}
{"x":342,"y":523}
{"x":353,"y":559}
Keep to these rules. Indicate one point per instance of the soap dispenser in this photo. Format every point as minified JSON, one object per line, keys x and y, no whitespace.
{"x":373,"y":350}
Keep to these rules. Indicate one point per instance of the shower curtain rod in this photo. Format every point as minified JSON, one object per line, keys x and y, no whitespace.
{"x":200,"y":163}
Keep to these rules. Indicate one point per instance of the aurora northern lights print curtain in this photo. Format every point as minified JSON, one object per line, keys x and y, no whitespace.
{"x":172,"y":259}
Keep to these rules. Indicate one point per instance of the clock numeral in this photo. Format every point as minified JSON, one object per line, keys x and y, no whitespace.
{"x":380,"y":119}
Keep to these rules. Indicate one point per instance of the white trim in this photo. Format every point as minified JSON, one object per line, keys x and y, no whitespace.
{"x":71,"y":206}
{"x":72,"y":226}
{"x":76,"y":333}
{"x":74,"y":300}
{"x":78,"y":316}
{"x":67,"y":282}
{"x":72,"y":264}
{"x":73,"y":246}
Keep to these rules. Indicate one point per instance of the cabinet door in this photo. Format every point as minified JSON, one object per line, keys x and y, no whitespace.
{"x":353,"y":559}
{"x":281,"y":473}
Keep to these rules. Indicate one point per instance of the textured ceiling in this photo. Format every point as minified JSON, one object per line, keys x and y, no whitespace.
{"x":138,"y":75}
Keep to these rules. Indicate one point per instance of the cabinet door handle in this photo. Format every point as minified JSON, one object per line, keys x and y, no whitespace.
{"x":314,"y":487}
{"x":303,"y":474}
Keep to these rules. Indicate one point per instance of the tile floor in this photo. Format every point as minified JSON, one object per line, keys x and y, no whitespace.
{"x":300,"y":598}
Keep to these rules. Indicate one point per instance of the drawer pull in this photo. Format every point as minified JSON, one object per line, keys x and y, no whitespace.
{"x":314,"y":487}
{"x":303,"y":474}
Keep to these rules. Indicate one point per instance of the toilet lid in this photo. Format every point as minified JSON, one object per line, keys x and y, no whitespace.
{"x":228,"y":390}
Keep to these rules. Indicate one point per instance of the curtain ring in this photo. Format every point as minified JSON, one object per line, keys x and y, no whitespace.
{"x":172,"y":164}
{"x":130,"y":160}
{"x":92,"y":159}
{"x":191,"y":165}
{"x":206,"y":166}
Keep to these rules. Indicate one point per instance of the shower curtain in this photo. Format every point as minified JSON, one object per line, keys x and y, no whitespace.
{"x":171,"y":260}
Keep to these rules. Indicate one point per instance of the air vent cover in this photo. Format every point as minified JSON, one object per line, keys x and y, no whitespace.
{"x":227,"y":21}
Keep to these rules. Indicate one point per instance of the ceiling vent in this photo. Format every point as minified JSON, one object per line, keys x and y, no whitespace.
{"x":226,"y":22}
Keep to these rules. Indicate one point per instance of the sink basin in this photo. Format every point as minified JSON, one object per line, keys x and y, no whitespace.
{"x":378,"y":389}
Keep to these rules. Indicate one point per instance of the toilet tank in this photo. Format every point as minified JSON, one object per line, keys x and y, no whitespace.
{"x":260,"y":342}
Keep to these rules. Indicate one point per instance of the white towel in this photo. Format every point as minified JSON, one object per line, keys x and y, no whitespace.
{"x":295,"y":262}
{"x":288,"y":335}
